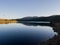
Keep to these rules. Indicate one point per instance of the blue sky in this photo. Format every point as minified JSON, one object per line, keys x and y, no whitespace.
{"x":23,"y":8}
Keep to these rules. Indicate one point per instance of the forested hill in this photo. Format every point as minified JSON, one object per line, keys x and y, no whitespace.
{"x":55,"y":18}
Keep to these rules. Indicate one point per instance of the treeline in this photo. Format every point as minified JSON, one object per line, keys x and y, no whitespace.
{"x":34,"y":19}
{"x":54,"y":18}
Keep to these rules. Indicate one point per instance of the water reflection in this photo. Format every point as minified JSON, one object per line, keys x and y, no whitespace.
{"x":27,"y":34}
{"x":55,"y":26}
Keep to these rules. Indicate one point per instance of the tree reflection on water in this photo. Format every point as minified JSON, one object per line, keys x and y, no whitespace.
{"x":56,"y":27}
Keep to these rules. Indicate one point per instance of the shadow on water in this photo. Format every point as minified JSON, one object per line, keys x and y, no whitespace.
{"x":55,"y":26}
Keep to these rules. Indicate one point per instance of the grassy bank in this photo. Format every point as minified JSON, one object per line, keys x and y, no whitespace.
{"x":6,"y":21}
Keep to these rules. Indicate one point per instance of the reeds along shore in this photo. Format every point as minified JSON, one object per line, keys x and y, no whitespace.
{"x":6,"y":21}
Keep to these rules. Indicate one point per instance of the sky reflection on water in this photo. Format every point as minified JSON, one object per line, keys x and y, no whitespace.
{"x":19,"y":33}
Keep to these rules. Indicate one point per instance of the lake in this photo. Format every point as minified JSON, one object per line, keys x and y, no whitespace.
{"x":20,"y":34}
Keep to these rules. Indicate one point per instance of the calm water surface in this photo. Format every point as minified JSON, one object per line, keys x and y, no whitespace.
{"x":16,"y":34}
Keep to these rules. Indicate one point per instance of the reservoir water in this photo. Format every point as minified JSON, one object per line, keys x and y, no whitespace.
{"x":20,"y":34}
